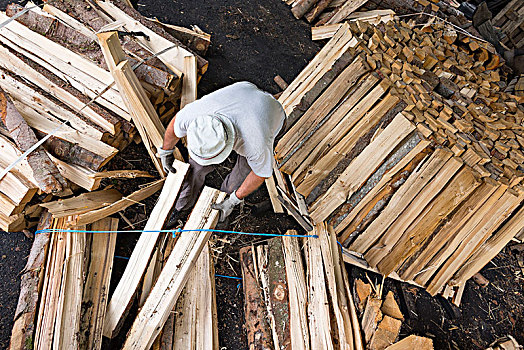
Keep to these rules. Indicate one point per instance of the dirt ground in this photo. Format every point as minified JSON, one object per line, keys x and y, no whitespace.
{"x":256,"y":40}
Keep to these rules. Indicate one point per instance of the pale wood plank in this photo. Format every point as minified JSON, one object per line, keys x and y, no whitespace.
{"x":361,"y":168}
{"x":123,"y":203}
{"x":415,"y":205}
{"x":128,"y":284}
{"x":82,"y":203}
{"x":175,"y":273}
{"x":189,"y":81}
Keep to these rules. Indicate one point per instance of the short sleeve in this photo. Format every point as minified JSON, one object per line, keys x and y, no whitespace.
{"x":262,"y":164}
{"x":179,"y":128}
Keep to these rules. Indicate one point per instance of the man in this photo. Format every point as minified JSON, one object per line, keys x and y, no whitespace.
{"x":239,"y":117}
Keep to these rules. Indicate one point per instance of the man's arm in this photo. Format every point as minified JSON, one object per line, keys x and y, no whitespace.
{"x":170,"y":139}
{"x":250,"y":184}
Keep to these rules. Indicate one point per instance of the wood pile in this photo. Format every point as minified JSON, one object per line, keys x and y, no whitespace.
{"x":65,"y":287}
{"x":57,"y":78}
{"x":510,"y":20}
{"x":297,"y":294}
{"x":381,"y":320}
{"x":402,"y":139}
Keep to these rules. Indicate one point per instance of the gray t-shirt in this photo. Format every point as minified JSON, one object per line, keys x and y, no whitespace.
{"x":255,"y":114}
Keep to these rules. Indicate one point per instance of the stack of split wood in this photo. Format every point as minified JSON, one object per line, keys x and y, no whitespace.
{"x":57,"y":77}
{"x":297,"y":294}
{"x":403,"y":141}
{"x":510,"y":20}
{"x":65,"y":286}
{"x":382,"y":319}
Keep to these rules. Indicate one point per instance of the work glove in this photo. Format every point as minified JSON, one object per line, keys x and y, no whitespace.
{"x":226,"y":207}
{"x":167,"y":158}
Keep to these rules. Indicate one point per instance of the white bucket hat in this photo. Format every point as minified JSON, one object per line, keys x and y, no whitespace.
{"x":210,"y":139}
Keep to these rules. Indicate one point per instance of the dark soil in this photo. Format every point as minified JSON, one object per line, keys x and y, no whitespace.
{"x":254,"y":41}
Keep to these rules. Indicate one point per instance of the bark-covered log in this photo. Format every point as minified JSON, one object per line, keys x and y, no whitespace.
{"x":44,"y":170}
{"x":23,"y":329}
{"x":258,"y":331}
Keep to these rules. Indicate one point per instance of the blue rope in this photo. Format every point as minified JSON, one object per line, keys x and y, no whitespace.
{"x":232,"y":277}
{"x":51,"y":230}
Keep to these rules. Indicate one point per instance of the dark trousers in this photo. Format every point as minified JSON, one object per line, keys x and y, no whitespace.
{"x":196,"y":176}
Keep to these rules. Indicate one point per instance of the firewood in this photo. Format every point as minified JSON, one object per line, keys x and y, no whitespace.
{"x":390,"y":307}
{"x":44,"y":170}
{"x":173,"y":277}
{"x":128,"y":284}
{"x":412,"y":342}
{"x":30,"y":286}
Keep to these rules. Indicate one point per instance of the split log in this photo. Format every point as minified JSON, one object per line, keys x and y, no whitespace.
{"x":175,"y":273}
{"x":44,"y":170}
{"x":22,"y":333}
{"x":300,"y":8}
{"x":96,"y":287}
{"x":123,"y":295}
{"x":83,"y":203}
{"x":194,"y":39}
{"x":119,"y":205}
{"x":258,"y":330}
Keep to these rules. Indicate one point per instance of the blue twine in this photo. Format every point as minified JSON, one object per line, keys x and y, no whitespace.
{"x":121,"y":257}
{"x":232,"y":277}
{"x":174,"y":232}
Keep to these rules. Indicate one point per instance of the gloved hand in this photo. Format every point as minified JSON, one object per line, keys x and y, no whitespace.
{"x":167,"y":158}
{"x":226,"y":207}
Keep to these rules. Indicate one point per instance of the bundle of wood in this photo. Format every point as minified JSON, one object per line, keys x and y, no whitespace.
{"x":297,"y":294}
{"x":406,"y":145}
{"x":57,"y":80}
{"x":511,"y":22}
{"x":65,"y":287}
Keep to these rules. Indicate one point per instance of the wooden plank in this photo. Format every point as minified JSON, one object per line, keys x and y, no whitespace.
{"x":361,"y":168}
{"x":96,"y":288}
{"x":175,"y":273}
{"x":400,"y":200}
{"x":123,"y":295}
{"x":173,"y":58}
{"x":82,"y":203}
{"x":315,"y":116}
{"x":51,"y":289}
{"x":335,"y":124}
{"x":318,"y":305}
{"x":31,"y":284}
{"x":119,"y":205}
{"x":144,"y":115}
{"x":360,"y":211}
{"x":318,"y":66}
{"x":44,"y":170}
{"x":458,"y":189}
{"x":67,"y":324}
{"x":273,"y":194}
{"x":421,"y":266}
{"x":189,"y":81}
{"x":345,"y":10}
{"x":299,"y":329}
{"x":415,"y":205}
{"x":196,"y":324}
{"x":333,"y":149}
{"x":336,"y":290}
{"x":83,"y":177}
{"x":257,"y":328}
{"x":475,"y":234}
{"x":489,"y":249}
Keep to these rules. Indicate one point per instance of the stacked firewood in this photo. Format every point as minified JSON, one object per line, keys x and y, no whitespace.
{"x":405,"y":143}
{"x":297,"y":294}
{"x":57,"y":80}
{"x":65,"y":287}
{"x":511,"y":22}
